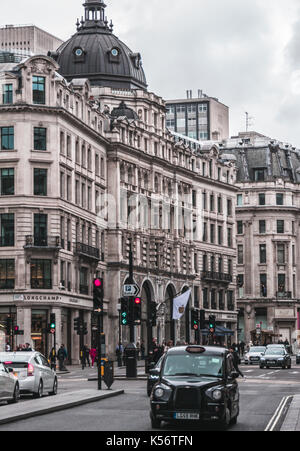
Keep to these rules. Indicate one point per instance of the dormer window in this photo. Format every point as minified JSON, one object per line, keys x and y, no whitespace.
{"x":79,"y":54}
{"x":114,"y":55}
{"x":115,"y":52}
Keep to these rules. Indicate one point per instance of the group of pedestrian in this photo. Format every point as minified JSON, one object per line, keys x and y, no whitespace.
{"x":24,"y":348}
{"x":85,"y":354}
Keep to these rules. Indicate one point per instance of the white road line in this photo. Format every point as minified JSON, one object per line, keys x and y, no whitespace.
{"x":274,"y":420}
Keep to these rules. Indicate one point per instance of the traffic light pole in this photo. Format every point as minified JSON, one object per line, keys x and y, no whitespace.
{"x":131,"y":281}
{"x":99,"y":351}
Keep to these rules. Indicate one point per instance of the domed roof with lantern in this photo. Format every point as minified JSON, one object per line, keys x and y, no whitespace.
{"x":94,"y":52}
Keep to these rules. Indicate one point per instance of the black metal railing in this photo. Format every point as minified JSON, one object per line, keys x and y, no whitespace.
{"x":43,"y":241}
{"x":216,"y":276}
{"x":7,"y":240}
{"x":84,"y":289}
{"x":85,"y":249}
{"x":42,"y":284}
{"x":7,"y":284}
{"x":284,"y":294}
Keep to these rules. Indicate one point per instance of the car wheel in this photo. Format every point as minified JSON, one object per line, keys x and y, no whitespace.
{"x":39,"y":393}
{"x":155,"y":423}
{"x":54,"y":391}
{"x":16,"y":397}
{"x":283,"y":367}
{"x":261,"y":367}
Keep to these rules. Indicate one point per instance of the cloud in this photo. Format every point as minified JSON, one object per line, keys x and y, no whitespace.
{"x":243,"y":52}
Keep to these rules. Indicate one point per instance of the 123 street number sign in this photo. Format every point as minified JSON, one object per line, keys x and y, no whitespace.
{"x":131,"y":290}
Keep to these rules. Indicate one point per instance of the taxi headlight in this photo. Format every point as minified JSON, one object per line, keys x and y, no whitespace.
{"x":159,"y":393}
{"x":217,"y":395}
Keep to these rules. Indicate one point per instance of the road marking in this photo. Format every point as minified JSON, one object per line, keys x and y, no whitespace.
{"x":276,"y":417}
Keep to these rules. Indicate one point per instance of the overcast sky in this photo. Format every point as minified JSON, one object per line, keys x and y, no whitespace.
{"x":245,"y":52}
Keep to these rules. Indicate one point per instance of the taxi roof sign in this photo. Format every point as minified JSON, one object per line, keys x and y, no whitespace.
{"x":195,"y":349}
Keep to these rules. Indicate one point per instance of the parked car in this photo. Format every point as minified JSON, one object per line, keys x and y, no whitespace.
{"x":153,"y":376}
{"x":298,"y":358}
{"x":33,"y":371}
{"x":276,"y":357}
{"x":196,"y":383}
{"x":254,"y":354}
{"x":9,"y":385}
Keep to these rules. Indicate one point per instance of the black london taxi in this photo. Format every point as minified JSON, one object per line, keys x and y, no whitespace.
{"x":196,"y":383}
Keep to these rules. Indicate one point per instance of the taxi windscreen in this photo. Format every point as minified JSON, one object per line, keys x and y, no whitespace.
{"x":193,"y":365}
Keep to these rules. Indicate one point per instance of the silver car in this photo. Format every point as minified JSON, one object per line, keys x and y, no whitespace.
{"x":33,"y":371}
{"x":9,"y":385}
{"x":254,"y":354}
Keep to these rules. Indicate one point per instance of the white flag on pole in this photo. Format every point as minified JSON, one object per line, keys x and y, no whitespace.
{"x":179,"y":304}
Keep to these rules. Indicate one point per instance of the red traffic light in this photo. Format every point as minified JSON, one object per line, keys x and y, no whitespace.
{"x":97,"y":283}
{"x":16,"y":328}
{"x":137,"y":301}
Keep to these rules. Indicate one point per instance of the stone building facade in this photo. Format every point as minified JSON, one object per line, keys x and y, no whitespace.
{"x":267,"y":237}
{"x":87,"y":167}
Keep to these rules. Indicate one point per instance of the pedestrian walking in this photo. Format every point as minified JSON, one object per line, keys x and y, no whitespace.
{"x":52,"y":359}
{"x":142,"y":351}
{"x":119,"y":353}
{"x":236,"y":360}
{"x":7,"y":347}
{"x":87,"y":356}
{"x":93,"y":354}
{"x":62,"y":355}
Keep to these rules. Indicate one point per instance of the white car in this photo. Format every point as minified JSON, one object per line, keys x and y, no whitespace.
{"x":9,"y":385}
{"x":254,"y":354}
{"x":33,"y":371}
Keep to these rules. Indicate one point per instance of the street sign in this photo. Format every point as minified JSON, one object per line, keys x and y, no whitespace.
{"x":131,"y":290}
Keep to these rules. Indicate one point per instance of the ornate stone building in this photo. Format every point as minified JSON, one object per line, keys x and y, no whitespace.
{"x":88,"y":167}
{"x":267,"y":236}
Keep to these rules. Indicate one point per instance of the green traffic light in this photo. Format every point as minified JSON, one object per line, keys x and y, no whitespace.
{"x":52,"y":326}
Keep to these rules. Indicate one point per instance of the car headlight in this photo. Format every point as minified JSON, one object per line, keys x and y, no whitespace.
{"x":154,"y":377}
{"x":262,"y":358}
{"x":159,"y":393}
{"x":217,"y":395}
{"x":281,"y":359}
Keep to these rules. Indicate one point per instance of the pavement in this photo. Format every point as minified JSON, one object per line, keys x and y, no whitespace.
{"x":67,"y":399}
{"x":20,"y":411}
{"x":292,"y":418}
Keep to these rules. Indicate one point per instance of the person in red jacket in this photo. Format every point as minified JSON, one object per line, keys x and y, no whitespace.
{"x":93,"y":354}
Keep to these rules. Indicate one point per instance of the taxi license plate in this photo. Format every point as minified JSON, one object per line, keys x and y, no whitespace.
{"x":186,"y":416}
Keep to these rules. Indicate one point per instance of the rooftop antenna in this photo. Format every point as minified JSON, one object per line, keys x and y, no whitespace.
{"x":249,"y":121}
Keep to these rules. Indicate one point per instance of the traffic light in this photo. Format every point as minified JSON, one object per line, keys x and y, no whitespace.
{"x":194,"y":320}
{"x":98,"y":294}
{"x":77,"y":325}
{"x":84,"y":329}
{"x":212,"y":324}
{"x":8,"y":326}
{"x":137,"y":309}
{"x":16,"y":330}
{"x":52,"y":325}
{"x":202,"y":319}
{"x":153,"y":313}
{"x":124,"y":311}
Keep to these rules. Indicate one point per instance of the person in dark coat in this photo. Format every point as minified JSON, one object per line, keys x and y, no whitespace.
{"x":62,"y":355}
{"x":236,"y":360}
{"x":52,"y":358}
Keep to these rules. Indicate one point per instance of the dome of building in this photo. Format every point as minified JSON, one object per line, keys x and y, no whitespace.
{"x":94,"y":52}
